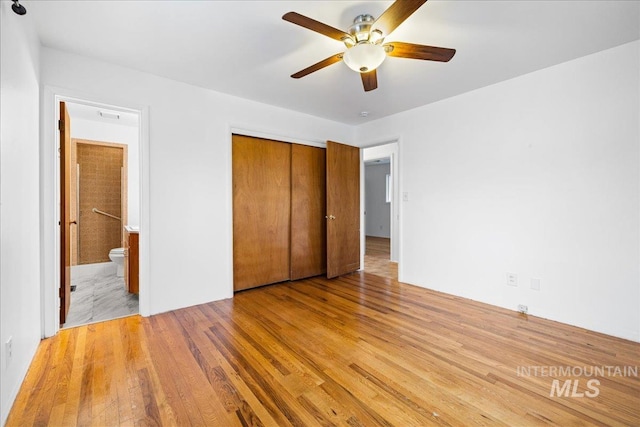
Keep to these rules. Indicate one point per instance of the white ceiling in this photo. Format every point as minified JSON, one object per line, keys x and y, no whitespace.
{"x":244,"y":48}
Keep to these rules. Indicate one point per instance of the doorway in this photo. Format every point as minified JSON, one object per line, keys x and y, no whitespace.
{"x":102,"y":190}
{"x":381,"y":216}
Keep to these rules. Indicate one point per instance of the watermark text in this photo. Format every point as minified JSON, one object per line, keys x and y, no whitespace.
{"x":572,"y":387}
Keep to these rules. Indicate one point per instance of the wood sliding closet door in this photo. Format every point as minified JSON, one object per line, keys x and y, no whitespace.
{"x":308,"y":207}
{"x":261,"y":211}
{"x":296,"y":211}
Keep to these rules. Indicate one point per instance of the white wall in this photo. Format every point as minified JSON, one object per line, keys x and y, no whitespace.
{"x":19,"y":201}
{"x":377,"y":210}
{"x":538,"y":176}
{"x":128,"y":135}
{"x":190,"y":230}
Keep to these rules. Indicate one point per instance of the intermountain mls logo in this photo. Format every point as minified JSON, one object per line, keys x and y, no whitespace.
{"x":583,"y":380}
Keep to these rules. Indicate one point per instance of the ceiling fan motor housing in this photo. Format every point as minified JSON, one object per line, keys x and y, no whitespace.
{"x":360,"y":31}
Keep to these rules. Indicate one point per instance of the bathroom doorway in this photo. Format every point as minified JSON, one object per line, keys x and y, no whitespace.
{"x":103,"y":198}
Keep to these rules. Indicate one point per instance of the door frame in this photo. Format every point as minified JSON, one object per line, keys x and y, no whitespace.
{"x":50,"y":198}
{"x":388,"y":148}
{"x":243,"y":129}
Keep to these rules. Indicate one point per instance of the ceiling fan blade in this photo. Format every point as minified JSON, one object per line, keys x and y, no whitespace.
{"x":369,"y":80}
{"x":318,"y":66}
{"x":316,"y":26}
{"x":418,"y":51}
{"x":396,"y":14}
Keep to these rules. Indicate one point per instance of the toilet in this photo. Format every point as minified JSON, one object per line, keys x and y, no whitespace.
{"x":117,"y":256}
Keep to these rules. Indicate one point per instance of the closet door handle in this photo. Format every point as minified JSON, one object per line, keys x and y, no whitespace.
{"x":330,"y":217}
{"x":73,"y":222}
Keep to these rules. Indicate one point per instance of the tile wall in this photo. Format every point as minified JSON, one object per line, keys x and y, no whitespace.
{"x":100,"y":187}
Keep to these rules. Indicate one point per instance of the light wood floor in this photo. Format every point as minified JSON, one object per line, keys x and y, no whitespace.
{"x":378,"y":247}
{"x":377,"y":257}
{"x":359,"y":351}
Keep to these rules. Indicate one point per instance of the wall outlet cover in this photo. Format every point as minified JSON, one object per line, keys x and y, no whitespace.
{"x":512,"y":279}
{"x":535,"y":284}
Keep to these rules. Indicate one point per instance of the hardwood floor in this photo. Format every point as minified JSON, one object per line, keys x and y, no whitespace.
{"x":377,"y":258}
{"x":360,"y":350}
{"x":378,"y":247}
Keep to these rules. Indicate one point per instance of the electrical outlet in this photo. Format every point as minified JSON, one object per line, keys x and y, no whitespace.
{"x":8,"y":350}
{"x":512,"y":279}
{"x":523,"y":308}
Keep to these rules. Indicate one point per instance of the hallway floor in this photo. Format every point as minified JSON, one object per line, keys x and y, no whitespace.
{"x":98,"y":298}
{"x":377,"y":258}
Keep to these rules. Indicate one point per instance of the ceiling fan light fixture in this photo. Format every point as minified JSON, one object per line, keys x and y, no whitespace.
{"x":348,"y":41}
{"x":364,"y":57}
{"x":376,"y":37}
{"x":364,"y":42}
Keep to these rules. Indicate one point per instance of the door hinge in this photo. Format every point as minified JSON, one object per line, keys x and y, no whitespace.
{"x":61,"y":292}
{"x":60,"y":125}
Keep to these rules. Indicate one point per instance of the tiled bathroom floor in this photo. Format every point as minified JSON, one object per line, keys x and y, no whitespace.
{"x":98,"y":298}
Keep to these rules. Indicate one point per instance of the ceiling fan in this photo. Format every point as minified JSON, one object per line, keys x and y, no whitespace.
{"x":364,"y":41}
